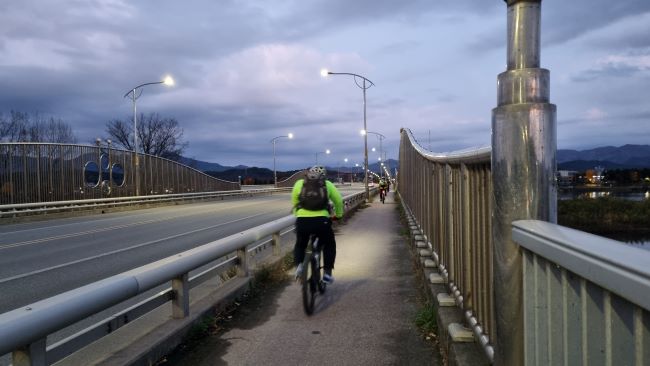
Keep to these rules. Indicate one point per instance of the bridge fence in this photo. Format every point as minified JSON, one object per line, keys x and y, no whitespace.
{"x":585,"y":298}
{"x":449,"y":196}
{"x":48,"y":172}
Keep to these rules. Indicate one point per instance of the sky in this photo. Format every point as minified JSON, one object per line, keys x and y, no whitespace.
{"x":247,"y":71}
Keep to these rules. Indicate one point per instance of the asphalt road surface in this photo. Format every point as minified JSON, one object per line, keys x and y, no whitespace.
{"x":42,"y":259}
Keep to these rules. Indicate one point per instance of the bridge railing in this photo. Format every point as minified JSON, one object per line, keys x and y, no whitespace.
{"x":44,"y":172}
{"x":23,"y":331}
{"x":23,"y":209}
{"x":586,"y":298}
{"x":449,"y":195}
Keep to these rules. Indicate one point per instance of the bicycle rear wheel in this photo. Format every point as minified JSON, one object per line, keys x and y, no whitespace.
{"x":309,"y":285}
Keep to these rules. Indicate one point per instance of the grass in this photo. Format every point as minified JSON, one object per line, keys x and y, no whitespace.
{"x":425,"y":320}
{"x":605,"y":216}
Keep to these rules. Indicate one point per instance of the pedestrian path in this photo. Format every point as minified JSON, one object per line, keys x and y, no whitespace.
{"x":365,"y":318}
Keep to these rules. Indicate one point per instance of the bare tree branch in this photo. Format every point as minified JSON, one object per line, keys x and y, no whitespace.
{"x":23,"y":127}
{"x":156,"y":136}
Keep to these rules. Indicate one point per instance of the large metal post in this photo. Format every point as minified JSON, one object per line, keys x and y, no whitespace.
{"x":136,"y":159}
{"x":365,"y":144}
{"x":523,"y":168}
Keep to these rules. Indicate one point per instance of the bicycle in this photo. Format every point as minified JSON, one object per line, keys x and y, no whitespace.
{"x":311,"y":277}
{"x":382,"y":194}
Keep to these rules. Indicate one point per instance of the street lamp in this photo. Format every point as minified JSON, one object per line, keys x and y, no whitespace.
{"x":134,"y":96}
{"x":381,"y":139}
{"x":364,"y":87}
{"x":275,"y":175}
{"x":321,"y":152}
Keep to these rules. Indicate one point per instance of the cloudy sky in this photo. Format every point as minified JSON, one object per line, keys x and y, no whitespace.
{"x":248,"y":70}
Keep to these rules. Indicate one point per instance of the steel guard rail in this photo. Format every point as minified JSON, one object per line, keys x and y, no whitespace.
{"x":58,"y":206}
{"x":23,"y":331}
{"x":586,"y":298}
{"x":449,"y":198}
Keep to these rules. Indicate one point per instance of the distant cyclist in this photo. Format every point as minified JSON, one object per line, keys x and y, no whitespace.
{"x":383,"y":186}
{"x":310,"y":198}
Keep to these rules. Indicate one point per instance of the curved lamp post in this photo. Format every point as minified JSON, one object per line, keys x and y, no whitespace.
{"x":322,"y":152}
{"x":275,"y":175}
{"x":134,"y":96}
{"x":364,"y":86}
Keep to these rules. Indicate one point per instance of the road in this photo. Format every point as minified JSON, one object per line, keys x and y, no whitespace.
{"x":42,"y":259}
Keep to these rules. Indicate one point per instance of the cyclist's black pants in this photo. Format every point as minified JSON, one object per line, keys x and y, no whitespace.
{"x":322,"y":228}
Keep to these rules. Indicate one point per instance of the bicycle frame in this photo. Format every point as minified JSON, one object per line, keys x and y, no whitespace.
{"x":312,"y":282}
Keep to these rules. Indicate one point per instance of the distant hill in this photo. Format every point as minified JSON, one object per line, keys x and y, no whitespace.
{"x":609,"y":157}
{"x":203,"y":166}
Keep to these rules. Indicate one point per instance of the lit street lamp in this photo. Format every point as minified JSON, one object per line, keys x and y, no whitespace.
{"x":381,"y":139}
{"x":364,"y":87}
{"x":134,"y":96}
{"x":321,"y":152}
{"x":275,"y":175}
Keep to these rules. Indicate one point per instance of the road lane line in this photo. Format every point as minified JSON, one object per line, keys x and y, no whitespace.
{"x":95,"y":231}
{"x":4,"y":280}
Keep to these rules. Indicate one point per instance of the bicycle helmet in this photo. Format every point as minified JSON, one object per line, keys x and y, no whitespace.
{"x":317,"y":171}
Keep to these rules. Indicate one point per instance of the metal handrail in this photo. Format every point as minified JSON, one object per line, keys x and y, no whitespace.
{"x":25,"y":329}
{"x":470,"y":155}
{"x":13,"y":209}
{"x":590,"y":293}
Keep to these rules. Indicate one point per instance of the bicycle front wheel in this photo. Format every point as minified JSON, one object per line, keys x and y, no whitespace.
{"x":308,"y":285}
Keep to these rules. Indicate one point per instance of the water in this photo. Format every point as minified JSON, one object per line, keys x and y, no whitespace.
{"x":626,"y":195}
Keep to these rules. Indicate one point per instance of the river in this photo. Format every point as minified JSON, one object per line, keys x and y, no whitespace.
{"x":626,"y":195}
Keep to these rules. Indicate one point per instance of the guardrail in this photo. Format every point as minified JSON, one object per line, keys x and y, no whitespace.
{"x":586,"y":298}
{"x":39,"y":172}
{"x":16,"y":210}
{"x":449,"y":198}
{"x":23,"y":331}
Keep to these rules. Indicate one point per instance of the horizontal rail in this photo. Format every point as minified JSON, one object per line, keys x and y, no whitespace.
{"x":23,"y":330}
{"x":44,"y":207}
{"x":467,"y":156}
{"x":586,"y":298}
{"x":605,"y":262}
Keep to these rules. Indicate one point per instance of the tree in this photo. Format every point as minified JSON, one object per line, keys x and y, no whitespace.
{"x":23,"y":127}
{"x":156,"y":136}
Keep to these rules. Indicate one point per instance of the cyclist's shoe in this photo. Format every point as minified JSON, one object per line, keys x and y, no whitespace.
{"x":299,"y":270}
{"x":327,"y":277}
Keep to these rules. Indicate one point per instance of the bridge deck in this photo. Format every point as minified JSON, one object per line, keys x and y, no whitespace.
{"x":365,"y":318}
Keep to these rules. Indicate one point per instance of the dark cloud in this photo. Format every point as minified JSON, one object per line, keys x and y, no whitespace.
{"x":244,"y":68}
{"x":563,"y":21}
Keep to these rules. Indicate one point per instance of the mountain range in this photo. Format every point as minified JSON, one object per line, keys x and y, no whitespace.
{"x":608,"y":157}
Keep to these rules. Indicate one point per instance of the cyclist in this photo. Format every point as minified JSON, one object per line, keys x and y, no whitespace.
{"x":310,"y":198}
{"x":382,"y":189}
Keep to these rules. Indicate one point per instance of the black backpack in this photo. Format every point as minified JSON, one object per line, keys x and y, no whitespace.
{"x":313,"y":195}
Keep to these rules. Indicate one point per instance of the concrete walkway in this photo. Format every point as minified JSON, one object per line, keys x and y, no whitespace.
{"x":365,"y":318}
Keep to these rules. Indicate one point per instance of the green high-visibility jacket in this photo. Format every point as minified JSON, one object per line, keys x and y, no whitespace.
{"x":332,"y":193}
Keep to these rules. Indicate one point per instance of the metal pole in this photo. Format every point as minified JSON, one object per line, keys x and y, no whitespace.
{"x":136,"y":160}
{"x":365,"y":143}
{"x":275,"y":175}
{"x":523,"y":167}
